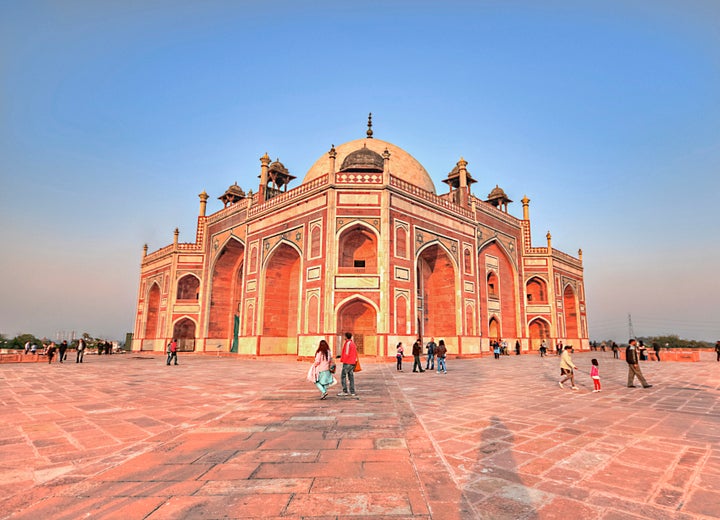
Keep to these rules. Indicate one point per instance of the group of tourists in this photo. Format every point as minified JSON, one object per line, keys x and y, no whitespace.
{"x":50,"y":349}
{"x":323,"y":367}
{"x":632,"y":357}
{"x":434,"y":351}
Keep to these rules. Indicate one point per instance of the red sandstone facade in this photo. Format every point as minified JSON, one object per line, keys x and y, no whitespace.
{"x":363,"y":244}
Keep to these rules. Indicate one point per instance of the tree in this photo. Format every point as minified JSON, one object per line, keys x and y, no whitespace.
{"x":19,"y":341}
{"x":674,"y":341}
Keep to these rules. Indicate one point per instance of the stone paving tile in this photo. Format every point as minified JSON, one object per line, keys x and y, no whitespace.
{"x":229,"y":438}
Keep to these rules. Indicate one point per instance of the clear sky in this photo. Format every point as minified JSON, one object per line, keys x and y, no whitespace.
{"x":114,"y":115}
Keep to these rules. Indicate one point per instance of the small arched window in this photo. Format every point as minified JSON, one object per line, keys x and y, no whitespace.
{"x":467,"y":262}
{"x":492,"y":285}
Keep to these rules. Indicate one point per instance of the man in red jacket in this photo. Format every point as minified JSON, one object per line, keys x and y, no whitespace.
{"x":349,"y":359}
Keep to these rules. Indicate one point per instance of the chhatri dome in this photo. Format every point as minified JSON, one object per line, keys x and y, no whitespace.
{"x":356,"y":155}
{"x":363,"y":159}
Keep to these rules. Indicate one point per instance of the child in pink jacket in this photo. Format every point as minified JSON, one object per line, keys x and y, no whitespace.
{"x":595,"y":375}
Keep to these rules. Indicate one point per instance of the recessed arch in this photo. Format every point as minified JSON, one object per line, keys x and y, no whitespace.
{"x":499,"y":292}
{"x":539,"y":329}
{"x":315,"y":240}
{"x":313,"y":314}
{"x":153,"y":311}
{"x":436,"y":284}
{"x":358,"y":315}
{"x":536,"y":290}
{"x":571,"y":313}
{"x":281,"y":303}
{"x":357,"y":248}
{"x":401,"y":240}
{"x":188,"y":287}
{"x":494,"y":328}
{"x":402,"y":307}
{"x":467,"y":261}
{"x":184,"y":330}
{"x":226,"y":288}
{"x":470,"y":319}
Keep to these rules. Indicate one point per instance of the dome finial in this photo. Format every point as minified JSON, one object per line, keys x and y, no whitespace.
{"x":369,"y":130}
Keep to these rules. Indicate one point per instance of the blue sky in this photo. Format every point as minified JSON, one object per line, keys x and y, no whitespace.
{"x":115,"y":115}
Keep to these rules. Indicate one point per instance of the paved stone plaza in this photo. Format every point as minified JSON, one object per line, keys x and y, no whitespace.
{"x":128,"y":437}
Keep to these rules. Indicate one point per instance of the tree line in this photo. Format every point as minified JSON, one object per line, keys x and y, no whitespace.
{"x":19,"y":341}
{"x":669,"y":341}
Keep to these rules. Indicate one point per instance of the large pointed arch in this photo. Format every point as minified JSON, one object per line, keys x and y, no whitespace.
{"x":436,"y":291}
{"x":281,"y":298}
{"x":497,"y":272}
{"x":226,"y":289}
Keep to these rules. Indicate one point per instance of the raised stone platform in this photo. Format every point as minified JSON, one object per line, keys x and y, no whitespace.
{"x":129,"y":437}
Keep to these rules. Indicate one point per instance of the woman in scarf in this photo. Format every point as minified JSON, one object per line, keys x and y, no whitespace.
{"x":319,"y":372}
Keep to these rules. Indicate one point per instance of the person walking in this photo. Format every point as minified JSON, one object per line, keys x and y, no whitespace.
{"x":441,"y":353}
{"x":567,"y":367}
{"x":595,"y":375}
{"x":416,"y":351}
{"x":51,"y":351}
{"x":430,"y":364}
{"x":717,"y":349}
{"x":80,"y":352}
{"x":543,"y":348}
{"x":517,"y":347}
{"x":496,"y":349}
{"x":62,"y":348}
{"x":615,"y":350}
{"x":349,"y":358}
{"x":319,"y":372}
{"x":399,"y":356}
{"x":632,"y":358}
{"x":172,"y":352}
{"x":656,"y":349}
